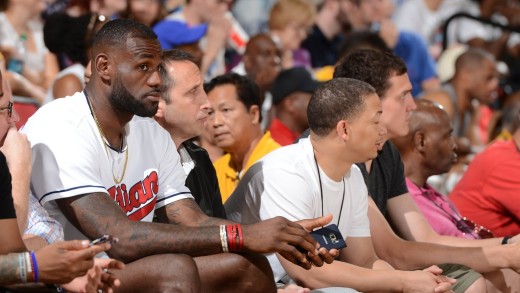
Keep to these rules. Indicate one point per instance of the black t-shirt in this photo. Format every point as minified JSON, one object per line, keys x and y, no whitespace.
{"x":323,"y":51}
{"x":203,"y":183}
{"x":386,"y":178}
{"x":6,"y":197}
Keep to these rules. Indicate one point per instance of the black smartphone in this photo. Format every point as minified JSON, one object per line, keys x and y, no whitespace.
{"x":104,"y":239}
{"x":329,"y":237}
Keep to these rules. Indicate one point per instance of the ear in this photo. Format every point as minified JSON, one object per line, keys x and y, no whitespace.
{"x":160,"y":109}
{"x":101,"y":66}
{"x":343,"y":129}
{"x":254,"y":112}
{"x":247,"y":62}
{"x":288,"y":103}
{"x":419,"y":141}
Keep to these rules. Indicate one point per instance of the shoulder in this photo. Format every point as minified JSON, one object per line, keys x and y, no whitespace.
{"x":389,"y":154}
{"x":356,"y":176}
{"x":267,"y":142}
{"x":58,"y":114}
{"x":222,"y":162}
{"x":196,"y":152}
{"x":293,"y":159}
{"x":497,"y":153}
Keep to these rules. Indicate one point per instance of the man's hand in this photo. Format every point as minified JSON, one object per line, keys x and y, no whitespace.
{"x":97,"y":278}
{"x":16,"y":146}
{"x":17,"y":151}
{"x":61,"y":262}
{"x":440,"y":278}
{"x":324,"y":255}
{"x":283,"y":236}
{"x":425,"y":281}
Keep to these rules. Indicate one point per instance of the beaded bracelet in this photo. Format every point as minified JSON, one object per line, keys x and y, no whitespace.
{"x":34,"y":266}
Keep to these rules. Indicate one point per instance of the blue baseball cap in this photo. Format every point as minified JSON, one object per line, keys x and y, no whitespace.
{"x":173,"y":33}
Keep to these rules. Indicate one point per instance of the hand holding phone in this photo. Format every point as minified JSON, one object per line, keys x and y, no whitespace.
{"x":104,"y":239}
{"x":329,"y":237}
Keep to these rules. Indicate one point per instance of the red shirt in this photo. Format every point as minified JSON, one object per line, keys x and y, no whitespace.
{"x":281,"y":134}
{"x":489,"y":191}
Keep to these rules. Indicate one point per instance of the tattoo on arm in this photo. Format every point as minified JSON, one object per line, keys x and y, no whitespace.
{"x":186,"y":212}
{"x":98,"y":214}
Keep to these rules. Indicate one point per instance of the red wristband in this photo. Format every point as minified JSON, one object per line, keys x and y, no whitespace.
{"x":240,"y":238}
{"x":231,"y":238}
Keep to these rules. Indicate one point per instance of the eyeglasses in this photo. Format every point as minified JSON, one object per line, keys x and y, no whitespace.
{"x":94,"y":20}
{"x":468,"y":226}
{"x":9,"y":109}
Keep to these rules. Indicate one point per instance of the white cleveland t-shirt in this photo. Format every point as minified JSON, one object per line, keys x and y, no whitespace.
{"x":70,"y":159}
{"x":285,"y":183}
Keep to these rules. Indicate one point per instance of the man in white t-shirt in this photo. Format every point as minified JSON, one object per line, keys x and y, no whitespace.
{"x":100,"y":142}
{"x":317,"y":176}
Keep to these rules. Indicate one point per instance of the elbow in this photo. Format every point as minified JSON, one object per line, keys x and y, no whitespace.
{"x":310,"y":281}
{"x":392,"y":253}
{"x":122,"y":253}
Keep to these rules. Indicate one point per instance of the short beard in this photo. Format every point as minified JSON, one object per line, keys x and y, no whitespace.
{"x":123,"y":101}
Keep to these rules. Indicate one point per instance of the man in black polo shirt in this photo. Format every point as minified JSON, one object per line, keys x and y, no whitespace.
{"x":183,"y":111}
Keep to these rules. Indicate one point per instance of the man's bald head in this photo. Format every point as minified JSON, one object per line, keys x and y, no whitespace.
{"x":428,"y":115}
{"x":258,"y":41}
{"x":429,"y":144}
{"x":262,"y":60}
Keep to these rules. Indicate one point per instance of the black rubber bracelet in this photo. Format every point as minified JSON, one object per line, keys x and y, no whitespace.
{"x":506,"y":240}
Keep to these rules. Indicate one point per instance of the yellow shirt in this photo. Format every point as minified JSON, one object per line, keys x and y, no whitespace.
{"x":228,"y":177}
{"x":324,"y":74}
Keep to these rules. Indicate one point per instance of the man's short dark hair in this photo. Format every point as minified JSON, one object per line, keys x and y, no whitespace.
{"x":247,"y":90}
{"x":335,"y":100}
{"x":373,"y":67}
{"x":362,"y":39}
{"x":116,"y":32}
{"x":173,"y":55}
{"x":473,"y":59}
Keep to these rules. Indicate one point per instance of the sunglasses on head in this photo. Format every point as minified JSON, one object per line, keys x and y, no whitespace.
{"x":466,"y":225}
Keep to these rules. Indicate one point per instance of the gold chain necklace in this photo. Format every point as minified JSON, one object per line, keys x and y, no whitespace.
{"x":103,"y":138}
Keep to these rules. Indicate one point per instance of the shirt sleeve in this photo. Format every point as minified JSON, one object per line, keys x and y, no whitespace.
{"x":64,"y":166}
{"x":39,"y":223}
{"x":171,"y":176}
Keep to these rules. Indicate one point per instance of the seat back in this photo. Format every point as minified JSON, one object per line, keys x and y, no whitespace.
{"x":25,"y":107}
